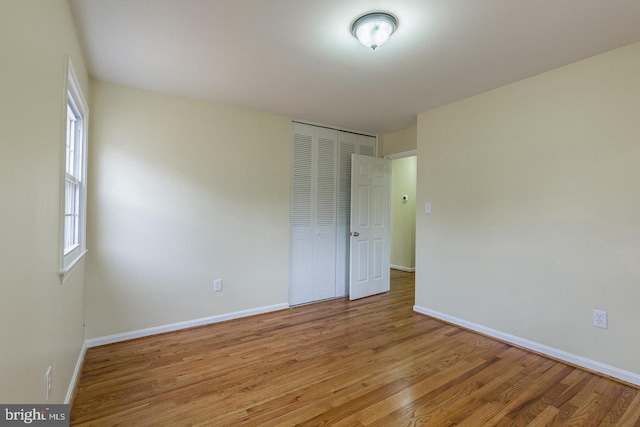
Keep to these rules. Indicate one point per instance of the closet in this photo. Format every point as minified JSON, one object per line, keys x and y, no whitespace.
{"x":320,"y":210}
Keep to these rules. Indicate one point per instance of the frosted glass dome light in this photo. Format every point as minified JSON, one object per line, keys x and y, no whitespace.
{"x":374,"y":29}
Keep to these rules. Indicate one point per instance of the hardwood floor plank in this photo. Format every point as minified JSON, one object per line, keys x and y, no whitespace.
{"x":370,"y":362}
{"x":545,"y":417}
{"x":619,"y":407}
{"x":567,"y":410}
{"x":372,"y":412}
{"x":631,"y":417}
{"x":496,"y":406}
{"x":426,"y":407}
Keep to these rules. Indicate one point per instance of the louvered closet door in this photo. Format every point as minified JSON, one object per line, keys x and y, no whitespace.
{"x":313,"y":216}
{"x":325,"y":225}
{"x":302,"y":237}
{"x":348,"y":143}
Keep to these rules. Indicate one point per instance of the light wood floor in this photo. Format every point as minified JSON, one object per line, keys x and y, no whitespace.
{"x":372,"y":362}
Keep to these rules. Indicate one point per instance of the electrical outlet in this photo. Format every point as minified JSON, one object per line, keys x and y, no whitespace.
{"x":600,"y":319}
{"x":217,"y":285}
{"x":48,"y":383}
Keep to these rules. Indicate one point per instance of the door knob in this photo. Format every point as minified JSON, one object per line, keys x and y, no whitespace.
{"x":355,"y":233}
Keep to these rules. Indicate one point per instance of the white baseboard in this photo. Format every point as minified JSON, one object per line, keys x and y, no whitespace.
{"x":612,"y":371}
{"x":401,"y":268}
{"x":76,"y":375}
{"x":109,"y":339}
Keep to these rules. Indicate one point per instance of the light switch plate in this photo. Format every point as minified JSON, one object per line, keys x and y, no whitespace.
{"x":427,"y":208}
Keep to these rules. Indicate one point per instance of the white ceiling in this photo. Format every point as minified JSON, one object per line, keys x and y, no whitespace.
{"x":298,"y":58}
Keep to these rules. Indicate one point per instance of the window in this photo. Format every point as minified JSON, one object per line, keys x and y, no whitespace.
{"x":73,"y":245}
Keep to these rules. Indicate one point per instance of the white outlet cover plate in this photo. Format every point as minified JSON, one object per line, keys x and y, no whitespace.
{"x":600,"y":319}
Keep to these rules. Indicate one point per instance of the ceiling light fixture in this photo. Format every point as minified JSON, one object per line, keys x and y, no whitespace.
{"x":374,"y":29}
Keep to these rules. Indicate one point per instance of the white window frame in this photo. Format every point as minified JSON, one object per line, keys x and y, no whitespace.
{"x":75,"y":110}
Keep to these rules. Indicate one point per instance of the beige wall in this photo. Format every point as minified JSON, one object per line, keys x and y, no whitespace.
{"x":398,"y":142}
{"x":403,"y":214}
{"x":536,"y":208}
{"x":40,"y":318}
{"x":183,"y":192}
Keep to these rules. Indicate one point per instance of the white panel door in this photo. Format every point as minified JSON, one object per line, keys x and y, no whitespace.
{"x":370,"y":226}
